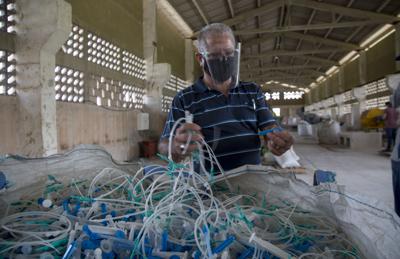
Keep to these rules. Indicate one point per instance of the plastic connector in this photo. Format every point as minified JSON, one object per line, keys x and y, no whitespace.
{"x":92,"y":235}
{"x":98,"y":253}
{"x":70,"y":250}
{"x":26,"y":249}
{"x":106,"y":245}
{"x":46,"y":203}
{"x":188,"y":117}
{"x":164,"y":241}
{"x":247,"y":253}
{"x":221,"y":247}
{"x":273,"y":249}
{"x":89,"y":245}
{"x":266,"y":132}
{"x":3,"y":181}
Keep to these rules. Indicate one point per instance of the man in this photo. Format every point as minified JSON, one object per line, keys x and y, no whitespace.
{"x":390,"y":118}
{"x":226,"y":112}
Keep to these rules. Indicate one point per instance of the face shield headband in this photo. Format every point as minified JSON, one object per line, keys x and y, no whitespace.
{"x":223,"y":67}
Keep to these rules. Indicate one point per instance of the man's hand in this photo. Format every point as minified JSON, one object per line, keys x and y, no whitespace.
{"x":179,"y":141}
{"x":181,"y":137}
{"x":279,"y":142}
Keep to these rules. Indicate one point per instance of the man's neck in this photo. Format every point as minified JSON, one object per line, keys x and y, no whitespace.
{"x":223,"y":88}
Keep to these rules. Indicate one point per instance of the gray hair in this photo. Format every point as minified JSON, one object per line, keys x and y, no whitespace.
{"x":213,"y":29}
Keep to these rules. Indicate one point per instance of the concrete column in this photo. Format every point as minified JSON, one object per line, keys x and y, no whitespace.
{"x":360,"y":93}
{"x":326,"y":107}
{"x":397,"y":42}
{"x":149,"y":35}
{"x":339,"y":100}
{"x":362,"y":67}
{"x":44,"y":27}
{"x":309,"y":98}
{"x":157,"y":74}
{"x":189,"y":60}
{"x":341,"y":79}
{"x":334,"y":113}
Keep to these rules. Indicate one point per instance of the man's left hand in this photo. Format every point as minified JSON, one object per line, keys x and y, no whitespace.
{"x":279,"y":142}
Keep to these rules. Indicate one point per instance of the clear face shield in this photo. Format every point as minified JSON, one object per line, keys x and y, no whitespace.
{"x":223,"y":67}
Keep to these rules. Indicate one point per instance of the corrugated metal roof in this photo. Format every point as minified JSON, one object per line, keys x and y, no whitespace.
{"x":293,"y":68}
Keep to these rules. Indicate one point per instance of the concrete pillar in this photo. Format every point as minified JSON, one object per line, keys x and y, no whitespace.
{"x":334,"y":113}
{"x":339,"y":100}
{"x":189,"y":60}
{"x":341,"y":79}
{"x":149,"y":35}
{"x":397,"y":42}
{"x":326,"y":106}
{"x":44,"y":27}
{"x":359,"y":93}
{"x":157,"y":74}
{"x":362,"y":67}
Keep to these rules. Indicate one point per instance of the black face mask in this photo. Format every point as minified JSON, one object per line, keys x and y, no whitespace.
{"x":220,"y":70}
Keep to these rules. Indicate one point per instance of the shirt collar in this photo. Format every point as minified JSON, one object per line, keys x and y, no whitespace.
{"x":200,"y":86}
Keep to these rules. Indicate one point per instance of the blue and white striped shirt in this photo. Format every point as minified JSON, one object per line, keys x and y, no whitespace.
{"x":229,"y":123}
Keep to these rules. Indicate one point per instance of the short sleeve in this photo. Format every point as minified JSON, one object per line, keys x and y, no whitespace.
{"x":176,"y":112}
{"x":265,"y":117}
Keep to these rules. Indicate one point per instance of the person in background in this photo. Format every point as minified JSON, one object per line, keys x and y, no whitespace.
{"x":390,"y":117}
{"x":396,"y":150}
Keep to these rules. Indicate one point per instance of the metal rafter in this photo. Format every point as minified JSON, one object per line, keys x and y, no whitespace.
{"x":203,"y":16}
{"x":281,"y":77}
{"x":312,"y":58}
{"x":320,"y":26}
{"x":352,"y":12}
{"x":310,"y":38}
{"x":380,"y":8}
{"x":350,"y":3}
{"x":229,"y":2}
{"x":283,"y":67}
{"x":301,"y":70}
{"x":251,"y":13}
{"x":289,"y":53}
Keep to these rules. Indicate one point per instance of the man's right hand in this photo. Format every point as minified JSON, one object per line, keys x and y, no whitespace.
{"x":181,"y":137}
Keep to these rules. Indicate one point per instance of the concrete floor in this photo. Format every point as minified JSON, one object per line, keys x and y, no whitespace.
{"x":362,"y":172}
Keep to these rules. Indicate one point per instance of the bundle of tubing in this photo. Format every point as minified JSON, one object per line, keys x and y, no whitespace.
{"x":172,"y":213}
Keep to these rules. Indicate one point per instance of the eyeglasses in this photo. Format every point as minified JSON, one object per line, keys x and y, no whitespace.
{"x":218,"y":55}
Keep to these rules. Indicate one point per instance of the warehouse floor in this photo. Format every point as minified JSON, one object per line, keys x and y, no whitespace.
{"x":362,"y":172}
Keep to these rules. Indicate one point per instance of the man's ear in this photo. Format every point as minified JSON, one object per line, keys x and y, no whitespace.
{"x":199,"y":58}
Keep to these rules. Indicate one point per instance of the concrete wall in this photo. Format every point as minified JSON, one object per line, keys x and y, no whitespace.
{"x":120,"y":21}
{"x":380,"y":61}
{"x":170,"y":45}
{"x":8,"y":124}
{"x":78,"y":124}
{"x":89,"y":124}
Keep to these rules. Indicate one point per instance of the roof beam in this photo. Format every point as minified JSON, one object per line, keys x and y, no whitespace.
{"x":318,"y":39}
{"x":250,"y":14}
{"x":203,"y":16}
{"x":306,"y":37}
{"x":280,"y":77}
{"x":280,"y":74}
{"x":320,"y":26}
{"x":289,"y":53}
{"x":253,"y":12}
{"x":288,"y":67}
{"x":352,"y":12}
{"x":305,"y":57}
{"x":310,"y":71}
{"x":231,"y":8}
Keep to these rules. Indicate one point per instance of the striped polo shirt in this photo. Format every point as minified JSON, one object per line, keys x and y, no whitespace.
{"x":229,"y":124}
